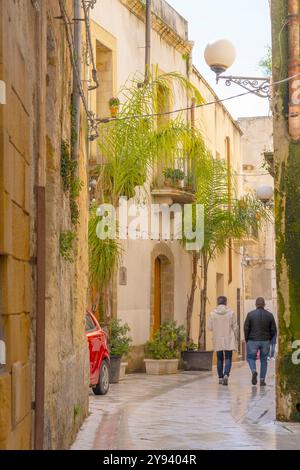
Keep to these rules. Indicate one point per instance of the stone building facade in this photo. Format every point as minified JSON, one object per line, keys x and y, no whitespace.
{"x":44,"y":370}
{"x":159,"y":273}
{"x":259,"y":254}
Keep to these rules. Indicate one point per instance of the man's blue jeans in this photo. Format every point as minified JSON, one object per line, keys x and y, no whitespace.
{"x":272,"y":350}
{"x":220,"y":363}
{"x":252,"y":348}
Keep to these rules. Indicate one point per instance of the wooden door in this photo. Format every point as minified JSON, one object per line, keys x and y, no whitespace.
{"x":157,"y":295}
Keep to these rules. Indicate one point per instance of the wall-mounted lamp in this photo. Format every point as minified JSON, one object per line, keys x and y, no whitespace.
{"x":265,"y":193}
{"x":220,"y":55}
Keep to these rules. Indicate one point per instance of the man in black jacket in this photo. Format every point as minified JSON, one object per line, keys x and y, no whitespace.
{"x":260,"y":329}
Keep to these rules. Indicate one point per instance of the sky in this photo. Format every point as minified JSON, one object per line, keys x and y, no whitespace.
{"x":247,"y":24}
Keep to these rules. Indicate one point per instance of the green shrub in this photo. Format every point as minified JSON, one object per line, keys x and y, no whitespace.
{"x":119,"y":341}
{"x":173,"y":174}
{"x":66,"y":247}
{"x":71,"y":183}
{"x":167,"y":342}
{"x":67,"y":165}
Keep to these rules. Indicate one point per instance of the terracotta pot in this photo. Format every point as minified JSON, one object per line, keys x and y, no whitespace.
{"x":161,"y":366}
{"x":168,"y":183}
{"x":114,"y":111}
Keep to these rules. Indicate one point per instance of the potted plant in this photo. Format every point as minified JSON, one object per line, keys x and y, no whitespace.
{"x":119,"y":343}
{"x":193,"y":359}
{"x":189,"y":183}
{"x":163,"y":351}
{"x":178,"y":177}
{"x":114,"y":105}
{"x":168,"y":174}
{"x":123,"y":370}
{"x":173,"y":177}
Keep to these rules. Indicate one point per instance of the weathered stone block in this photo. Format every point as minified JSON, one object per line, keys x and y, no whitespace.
{"x":6,"y":162}
{"x":5,"y":407}
{"x":20,"y":437}
{"x":28,"y":285}
{"x":21,"y":392}
{"x":5,"y":223}
{"x":18,"y":126}
{"x":18,"y":187}
{"x":12,"y":285}
{"x":20,"y":233}
{"x":17,"y":335}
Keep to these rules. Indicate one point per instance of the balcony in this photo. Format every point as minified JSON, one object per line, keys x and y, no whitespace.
{"x":173,"y":187}
{"x":249,"y":240}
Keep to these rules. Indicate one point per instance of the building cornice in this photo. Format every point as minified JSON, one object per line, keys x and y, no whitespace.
{"x":165,"y":31}
{"x":202,"y":79}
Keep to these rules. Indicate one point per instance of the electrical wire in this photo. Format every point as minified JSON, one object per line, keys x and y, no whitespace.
{"x":209,"y":103}
{"x":86,"y":10}
{"x":70,"y":39}
{"x":94,"y":121}
{"x":252,"y":174}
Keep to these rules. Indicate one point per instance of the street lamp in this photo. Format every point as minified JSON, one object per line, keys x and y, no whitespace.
{"x":220,"y":55}
{"x":265,"y":193}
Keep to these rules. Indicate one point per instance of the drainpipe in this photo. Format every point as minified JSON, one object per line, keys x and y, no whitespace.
{"x":294,"y":68}
{"x":40,"y":272}
{"x":148,"y":41}
{"x":40,"y":319}
{"x":75,"y":119}
{"x":191,"y":164}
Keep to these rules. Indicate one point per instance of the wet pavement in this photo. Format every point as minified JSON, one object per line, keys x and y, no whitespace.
{"x":187,"y":411}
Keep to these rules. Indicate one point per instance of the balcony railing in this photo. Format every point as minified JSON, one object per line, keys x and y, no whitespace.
{"x":174,"y":185}
{"x":251,"y":239}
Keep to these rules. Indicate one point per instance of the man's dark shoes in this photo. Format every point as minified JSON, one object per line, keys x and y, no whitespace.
{"x":262,"y":383}
{"x":254,"y":378}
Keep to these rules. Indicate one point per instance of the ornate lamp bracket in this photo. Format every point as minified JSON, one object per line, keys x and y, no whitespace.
{"x":259,"y":86}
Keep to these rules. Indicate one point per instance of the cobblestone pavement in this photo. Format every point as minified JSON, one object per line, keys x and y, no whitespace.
{"x":187,"y":411}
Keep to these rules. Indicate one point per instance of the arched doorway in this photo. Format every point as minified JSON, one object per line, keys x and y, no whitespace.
{"x":162,"y":286}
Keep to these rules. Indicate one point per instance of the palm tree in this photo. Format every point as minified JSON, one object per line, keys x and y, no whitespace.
{"x":138,"y":140}
{"x":132,"y":147}
{"x":103,"y":260}
{"x":226,"y":218}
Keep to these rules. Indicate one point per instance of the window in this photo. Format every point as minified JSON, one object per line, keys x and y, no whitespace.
{"x":219,"y":285}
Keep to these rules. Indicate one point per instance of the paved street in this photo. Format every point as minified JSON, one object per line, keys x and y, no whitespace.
{"x":187,"y":411}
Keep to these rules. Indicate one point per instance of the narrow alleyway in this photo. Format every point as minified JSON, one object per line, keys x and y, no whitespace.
{"x":187,"y":411}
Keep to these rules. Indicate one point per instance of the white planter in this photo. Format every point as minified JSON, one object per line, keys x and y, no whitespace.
{"x":161,"y":366}
{"x":123,"y":370}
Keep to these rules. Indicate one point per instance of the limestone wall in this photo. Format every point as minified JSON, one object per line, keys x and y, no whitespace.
{"x":35,"y":66}
{"x":260,"y":276}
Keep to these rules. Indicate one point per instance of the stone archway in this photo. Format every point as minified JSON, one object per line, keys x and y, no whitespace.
{"x":162,"y":286}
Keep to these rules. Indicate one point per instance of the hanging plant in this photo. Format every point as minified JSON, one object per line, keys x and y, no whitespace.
{"x":114,"y":105}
